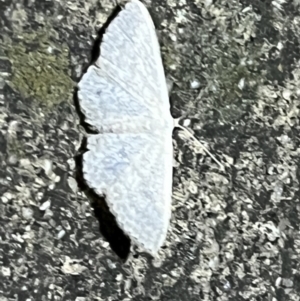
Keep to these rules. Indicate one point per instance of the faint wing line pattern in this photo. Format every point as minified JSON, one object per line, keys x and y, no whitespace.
{"x":124,"y":96}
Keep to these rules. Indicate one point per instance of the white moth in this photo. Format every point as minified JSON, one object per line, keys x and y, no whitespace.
{"x":124,"y":96}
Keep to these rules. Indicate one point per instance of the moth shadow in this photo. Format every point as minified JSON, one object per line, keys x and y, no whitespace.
{"x":119,"y":242}
{"x":94,"y":55}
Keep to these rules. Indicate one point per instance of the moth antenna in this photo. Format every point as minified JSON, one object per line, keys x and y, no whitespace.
{"x":197,"y":142}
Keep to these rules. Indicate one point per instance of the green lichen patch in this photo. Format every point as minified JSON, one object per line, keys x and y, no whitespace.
{"x":15,"y":147}
{"x":221,"y":53}
{"x":40,"y":68}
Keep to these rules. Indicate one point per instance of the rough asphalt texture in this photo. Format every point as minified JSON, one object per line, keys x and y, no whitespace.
{"x":234,"y":234}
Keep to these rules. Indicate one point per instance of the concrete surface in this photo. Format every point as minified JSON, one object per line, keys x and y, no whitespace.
{"x":234,"y":234}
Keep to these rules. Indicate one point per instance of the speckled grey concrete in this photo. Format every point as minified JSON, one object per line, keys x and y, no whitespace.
{"x":234,"y":234}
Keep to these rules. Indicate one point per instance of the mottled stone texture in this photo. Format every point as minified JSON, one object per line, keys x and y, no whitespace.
{"x":234,"y":234}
